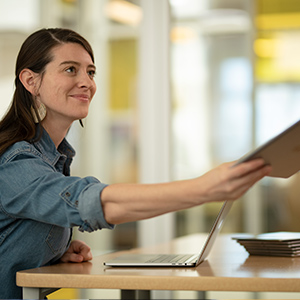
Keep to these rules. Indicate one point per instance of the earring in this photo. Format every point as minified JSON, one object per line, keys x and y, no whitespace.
{"x":41,"y":112}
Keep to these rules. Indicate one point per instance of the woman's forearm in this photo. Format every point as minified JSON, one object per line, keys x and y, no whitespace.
{"x":132,"y":202}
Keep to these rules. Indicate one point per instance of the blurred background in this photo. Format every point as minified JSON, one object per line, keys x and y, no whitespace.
{"x":183,"y":85}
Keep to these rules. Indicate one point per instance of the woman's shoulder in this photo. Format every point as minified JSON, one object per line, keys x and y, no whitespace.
{"x":22,"y":148}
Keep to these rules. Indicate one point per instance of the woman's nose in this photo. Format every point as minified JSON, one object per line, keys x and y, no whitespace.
{"x":84,"y":80}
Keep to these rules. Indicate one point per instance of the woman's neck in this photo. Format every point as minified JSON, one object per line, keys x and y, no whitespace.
{"x":56,"y":133}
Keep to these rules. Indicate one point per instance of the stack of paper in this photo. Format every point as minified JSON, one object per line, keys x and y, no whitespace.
{"x":272,"y":244}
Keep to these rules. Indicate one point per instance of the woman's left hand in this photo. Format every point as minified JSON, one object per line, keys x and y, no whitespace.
{"x":77,"y":252}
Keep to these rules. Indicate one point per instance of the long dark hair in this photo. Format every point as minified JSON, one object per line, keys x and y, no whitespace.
{"x":35,"y":53}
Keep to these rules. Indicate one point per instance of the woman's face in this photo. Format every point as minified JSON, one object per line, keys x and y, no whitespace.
{"x":68,"y":85}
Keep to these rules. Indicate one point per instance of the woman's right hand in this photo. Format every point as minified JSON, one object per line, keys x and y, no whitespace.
{"x":230,"y":182}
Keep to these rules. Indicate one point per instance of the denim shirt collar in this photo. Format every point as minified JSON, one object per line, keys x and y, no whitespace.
{"x":61,"y":158}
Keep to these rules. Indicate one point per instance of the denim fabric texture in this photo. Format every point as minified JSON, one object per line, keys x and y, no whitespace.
{"x":40,"y":203}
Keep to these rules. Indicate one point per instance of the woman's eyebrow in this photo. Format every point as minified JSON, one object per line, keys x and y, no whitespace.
{"x":73,"y":62}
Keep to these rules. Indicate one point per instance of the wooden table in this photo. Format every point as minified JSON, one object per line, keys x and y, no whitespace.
{"x":228,"y":268}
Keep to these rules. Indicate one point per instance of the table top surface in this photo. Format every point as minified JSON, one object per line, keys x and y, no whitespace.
{"x":228,"y":268}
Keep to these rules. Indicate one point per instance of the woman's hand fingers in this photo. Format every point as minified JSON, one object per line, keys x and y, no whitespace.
{"x":230,"y":181}
{"x":77,"y":252}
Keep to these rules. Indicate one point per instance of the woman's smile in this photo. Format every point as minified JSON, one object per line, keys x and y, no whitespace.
{"x":81,"y":97}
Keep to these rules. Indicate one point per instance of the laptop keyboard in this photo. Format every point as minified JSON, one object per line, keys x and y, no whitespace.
{"x":170,"y":258}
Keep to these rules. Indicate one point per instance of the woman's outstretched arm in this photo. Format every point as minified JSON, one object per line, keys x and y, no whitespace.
{"x":132,"y":202}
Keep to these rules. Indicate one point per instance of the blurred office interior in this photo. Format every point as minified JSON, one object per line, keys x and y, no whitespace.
{"x":183,"y":85}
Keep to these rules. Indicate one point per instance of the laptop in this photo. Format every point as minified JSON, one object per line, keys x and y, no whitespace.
{"x":282,"y":153}
{"x":174,"y":260}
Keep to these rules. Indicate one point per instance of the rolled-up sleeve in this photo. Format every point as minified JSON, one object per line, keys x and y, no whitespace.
{"x":90,"y":208}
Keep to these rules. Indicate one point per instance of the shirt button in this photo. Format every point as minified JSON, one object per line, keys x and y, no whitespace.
{"x":68,"y":194}
{"x":76,"y":202}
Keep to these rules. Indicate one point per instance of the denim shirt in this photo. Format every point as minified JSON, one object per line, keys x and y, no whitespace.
{"x":39,"y":204}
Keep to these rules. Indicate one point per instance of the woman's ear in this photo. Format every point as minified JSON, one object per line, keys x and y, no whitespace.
{"x":28,"y":79}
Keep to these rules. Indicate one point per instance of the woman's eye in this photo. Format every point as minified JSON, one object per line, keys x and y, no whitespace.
{"x":92,"y":73}
{"x":71,"y":70}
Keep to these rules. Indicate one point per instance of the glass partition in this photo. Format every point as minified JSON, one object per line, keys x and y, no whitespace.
{"x":212,"y":85}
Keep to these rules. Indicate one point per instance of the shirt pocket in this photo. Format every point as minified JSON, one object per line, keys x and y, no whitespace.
{"x":58,"y":239}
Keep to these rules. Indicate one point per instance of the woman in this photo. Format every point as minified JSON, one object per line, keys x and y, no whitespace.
{"x":39,"y":201}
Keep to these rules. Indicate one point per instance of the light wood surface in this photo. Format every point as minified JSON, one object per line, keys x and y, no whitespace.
{"x":228,"y":268}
